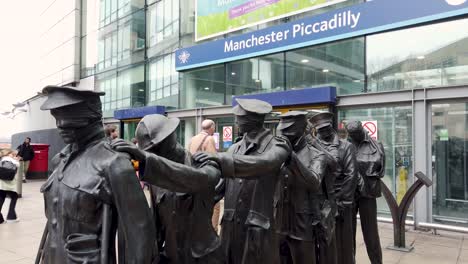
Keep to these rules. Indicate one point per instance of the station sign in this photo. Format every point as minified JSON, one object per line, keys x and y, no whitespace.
{"x":357,"y":20}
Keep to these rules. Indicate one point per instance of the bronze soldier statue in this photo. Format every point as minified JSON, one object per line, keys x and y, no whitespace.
{"x":298,"y":196}
{"x":251,"y":168}
{"x":370,"y":157}
{"x":325,"y":230}
{"x":345,"y":184}
{"x":183,"y":192}
{"x":93,"y":191}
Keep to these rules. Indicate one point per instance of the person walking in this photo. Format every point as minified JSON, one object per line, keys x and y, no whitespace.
{"x":9,"y":188}
{"x":25,"y":154}
{"x":204,"y":141}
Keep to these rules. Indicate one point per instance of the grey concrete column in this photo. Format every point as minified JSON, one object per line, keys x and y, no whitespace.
{"x":421,"y":152}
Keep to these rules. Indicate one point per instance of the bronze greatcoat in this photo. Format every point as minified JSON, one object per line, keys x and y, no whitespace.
{"x":184,"y":197}
{"x":247,"y":234}
{"x":298,"y":200}
{"x":370,"y":158}
{"x":325,"y":231}
{"x":85,"y":179}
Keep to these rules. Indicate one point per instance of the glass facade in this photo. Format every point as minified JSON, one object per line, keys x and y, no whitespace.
{"x":257,"y":75}
{"x":418,"y":58}
{"x":394,"y":130}
{"x":128,"y":46}
{"x":119,"y":33}
{"x":340,"y":64}
{"x":124,"y":88}
{"x":203,"y":87}
{"x":163,"y":21}
{"x":450,"y":161}
{"x":163,"y":82}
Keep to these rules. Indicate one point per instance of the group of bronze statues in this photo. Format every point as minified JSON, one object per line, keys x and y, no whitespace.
{"x":291,"y":198}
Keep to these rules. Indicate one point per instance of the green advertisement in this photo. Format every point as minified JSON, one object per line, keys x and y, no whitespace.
{"x":217,"y":17}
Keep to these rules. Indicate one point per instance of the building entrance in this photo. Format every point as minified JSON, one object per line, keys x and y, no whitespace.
{"x":450,"y":162}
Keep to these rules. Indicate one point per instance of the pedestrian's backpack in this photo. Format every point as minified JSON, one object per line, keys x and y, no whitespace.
{"x":7,"y":170}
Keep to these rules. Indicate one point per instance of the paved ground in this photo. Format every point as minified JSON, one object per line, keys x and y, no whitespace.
{"x":19,"y":241}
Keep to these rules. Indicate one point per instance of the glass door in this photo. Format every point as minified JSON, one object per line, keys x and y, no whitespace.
{"x":450,"y":162}
{"x":129,"y":128}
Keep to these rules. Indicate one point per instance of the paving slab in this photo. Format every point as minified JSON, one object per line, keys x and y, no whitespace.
{"x":19,"y":241}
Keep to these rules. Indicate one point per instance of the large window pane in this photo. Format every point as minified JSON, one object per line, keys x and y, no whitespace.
{"x":133,"y":82}
{"x":450,"y":161}
{"x":395,"y":132}
{"x":127,"y":7}
{"x":163,"y":82}
{"x":421,"y":57}
{"x":163,"y":27}
{"x":256,"y":75}
{"x":124,"y":88}
{"x":203,"y":87}
{"x":104,"y":82}
{"x":339,"y":64}
{"x":122,"y":43}
{"x":131,"y":39}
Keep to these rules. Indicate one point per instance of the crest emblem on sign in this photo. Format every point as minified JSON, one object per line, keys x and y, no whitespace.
{"x":184,"y":56}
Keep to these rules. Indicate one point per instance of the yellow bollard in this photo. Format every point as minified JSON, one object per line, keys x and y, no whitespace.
{"x":402,"y":183}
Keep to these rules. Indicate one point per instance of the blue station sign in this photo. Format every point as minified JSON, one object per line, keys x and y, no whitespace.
{"x":357,"y":20}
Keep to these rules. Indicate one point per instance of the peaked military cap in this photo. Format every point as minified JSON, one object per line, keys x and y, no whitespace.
{"x":321,"y":120}
{"x":153,"y":129}
{"x":291,"y":117}
{"x":253,"y":106}
{"x":60,"y":96}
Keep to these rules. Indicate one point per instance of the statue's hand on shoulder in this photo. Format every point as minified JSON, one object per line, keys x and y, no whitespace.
{"x":202,"y":157}
{"x":129,"y":148}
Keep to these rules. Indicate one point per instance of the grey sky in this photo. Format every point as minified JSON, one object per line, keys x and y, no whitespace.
{"x":18,"y":50}
{"x":19,"y":55}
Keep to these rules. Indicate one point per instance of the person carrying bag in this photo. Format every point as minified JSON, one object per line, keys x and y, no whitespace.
{"x":8,"y":186}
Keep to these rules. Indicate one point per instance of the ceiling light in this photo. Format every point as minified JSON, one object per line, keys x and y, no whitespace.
{"x":141,"y":90}
{"x":325,"y":70}
{"x":233,"y":73}
{"x":206,"y":88}
{"x":420,"y":57}
{"x":304,"y":60}
{"x":356,"y":81}
{"x":257,"y":81}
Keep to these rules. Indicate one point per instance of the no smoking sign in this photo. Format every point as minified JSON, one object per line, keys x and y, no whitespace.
{"x":371,"y":127}
{"x":227,"y":133}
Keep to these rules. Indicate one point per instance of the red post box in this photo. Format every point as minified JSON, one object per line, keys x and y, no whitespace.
{"x":39,"y":165}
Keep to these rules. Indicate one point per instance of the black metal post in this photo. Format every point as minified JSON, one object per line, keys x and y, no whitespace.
{"x":399,"y":212}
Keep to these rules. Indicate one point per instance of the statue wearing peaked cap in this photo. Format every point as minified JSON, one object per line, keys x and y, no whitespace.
{"x":92,"y":192}
{"x":251,"y":169}
{"x":298,"y":197}
{"x":183,"y":192}
{"x":345,"y":181}
{"x":370,"y":162}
